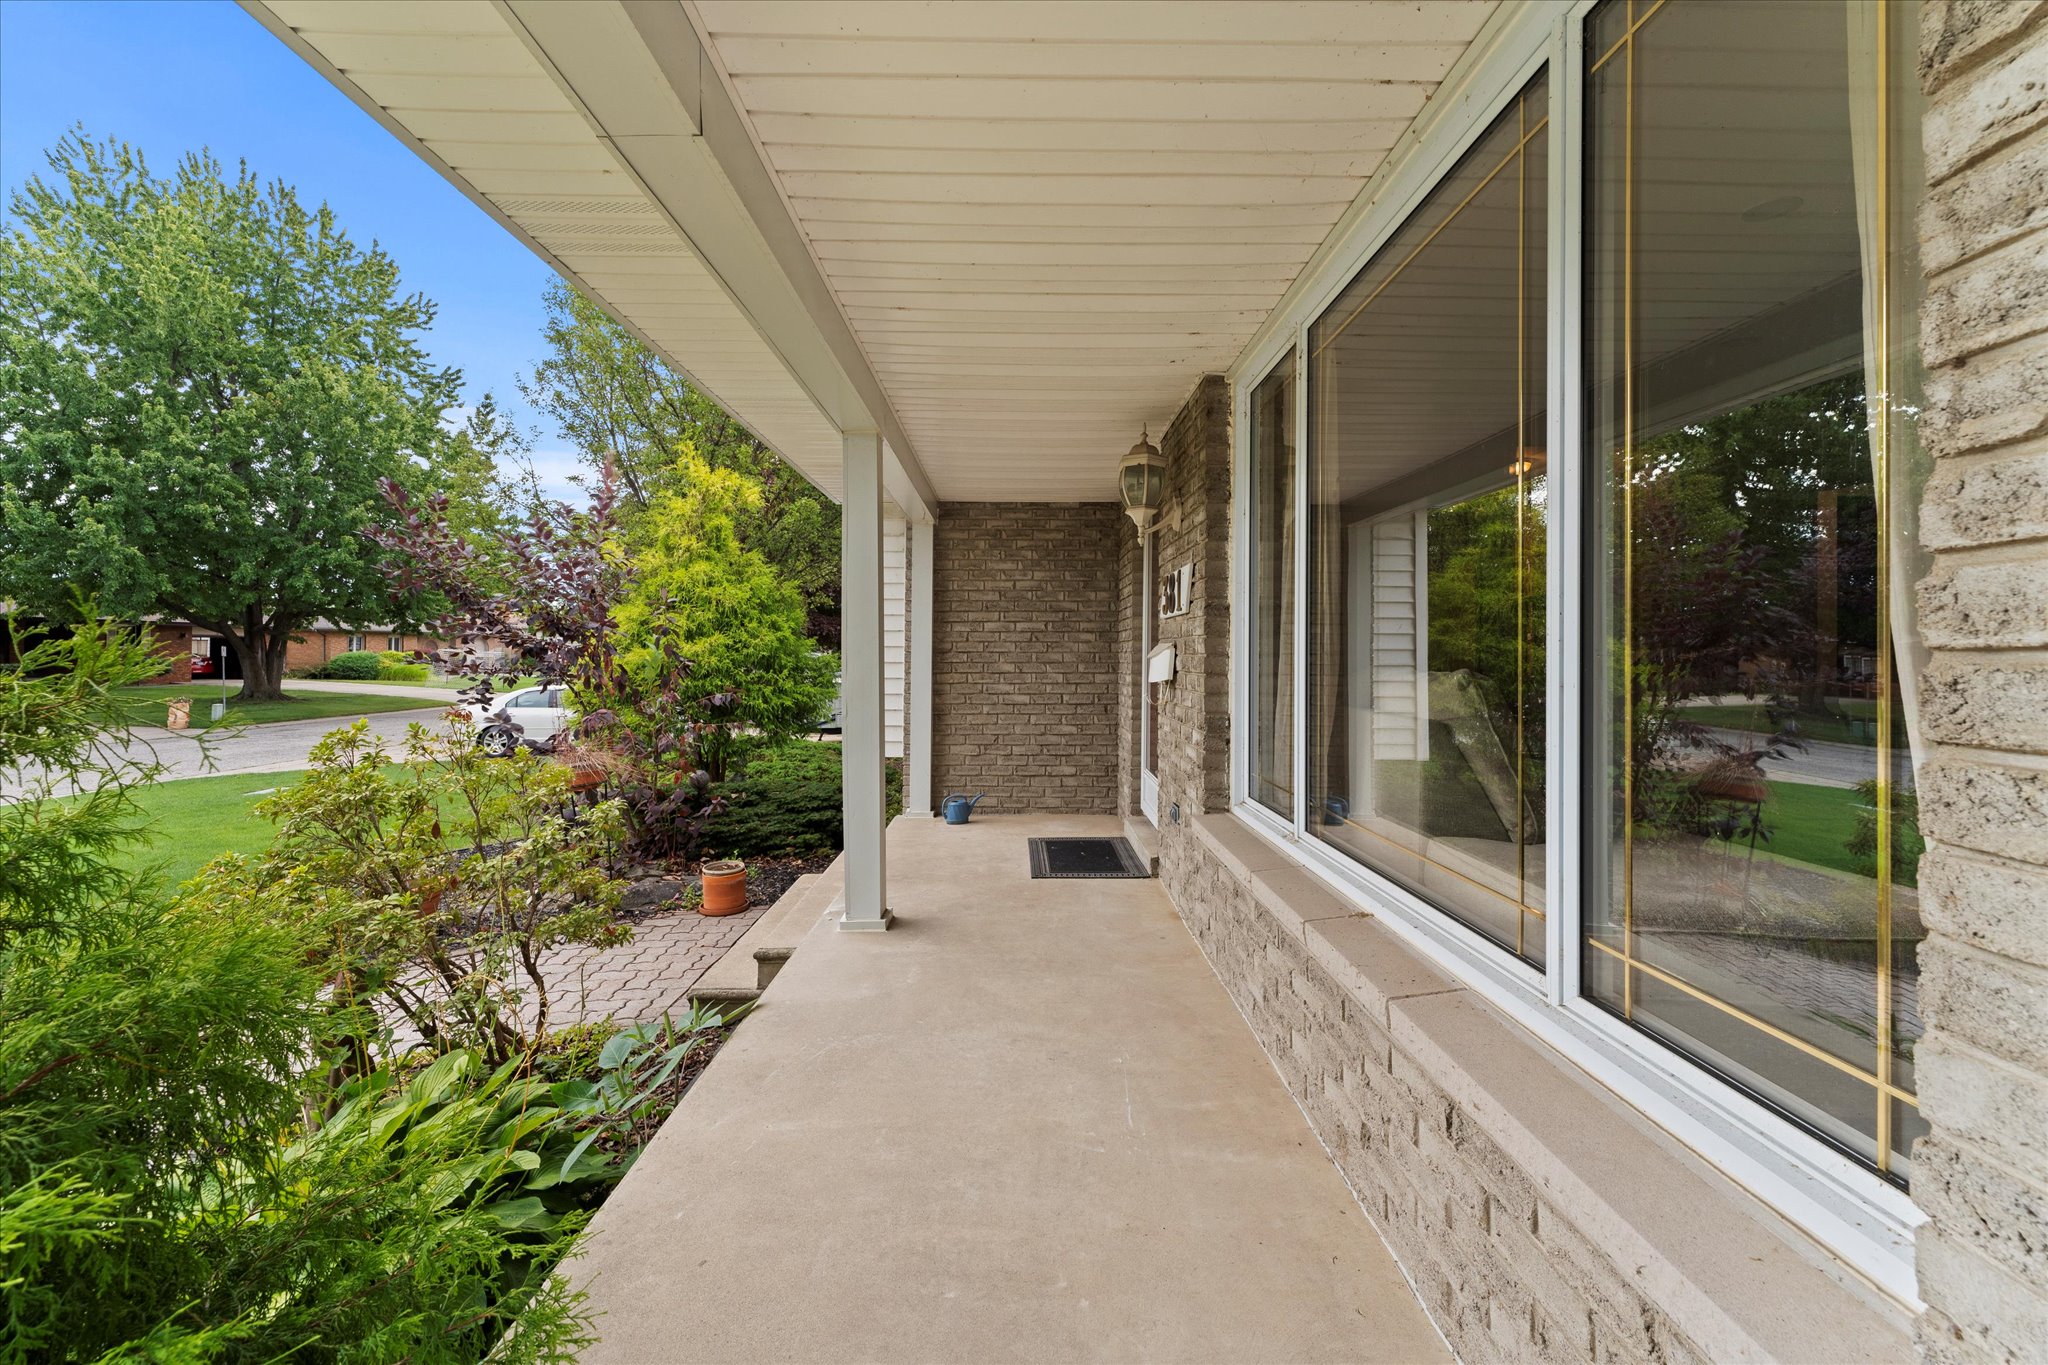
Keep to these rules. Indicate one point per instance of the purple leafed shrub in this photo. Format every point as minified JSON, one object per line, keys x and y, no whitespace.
{"x":546,"y":605}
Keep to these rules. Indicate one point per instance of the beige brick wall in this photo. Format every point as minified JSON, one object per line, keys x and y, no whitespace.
{"x":1505,"y":1274}
{"x":1194,"y":729}
{"x":1982,"y":1172}
{"x":1024,"y":677}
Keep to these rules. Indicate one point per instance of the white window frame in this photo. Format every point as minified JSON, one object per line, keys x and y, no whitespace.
{"x":1862,"y":1218}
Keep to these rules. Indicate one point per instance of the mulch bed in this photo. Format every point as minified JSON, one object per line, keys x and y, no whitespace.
{"x":767,"y":878}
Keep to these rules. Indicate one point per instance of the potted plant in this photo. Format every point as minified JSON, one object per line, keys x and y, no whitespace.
{"x":725,"y":887}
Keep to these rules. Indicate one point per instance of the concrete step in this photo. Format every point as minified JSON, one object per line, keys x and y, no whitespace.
{"x":1145,"y":839}
{"x":750,"y":964}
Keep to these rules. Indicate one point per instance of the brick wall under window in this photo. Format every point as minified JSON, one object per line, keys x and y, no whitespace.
{"x":1024,"y":670}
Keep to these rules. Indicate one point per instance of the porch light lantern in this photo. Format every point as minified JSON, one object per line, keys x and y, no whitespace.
{"x":1142,"y":480}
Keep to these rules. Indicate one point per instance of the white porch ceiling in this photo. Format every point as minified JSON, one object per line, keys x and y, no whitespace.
{"x":1035,"y":224}
{"x":1046,"y":220}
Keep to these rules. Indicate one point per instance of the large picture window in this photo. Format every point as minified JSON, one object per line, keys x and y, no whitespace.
{"x":1426,"y":544}
{"x":1272,"y":583}
{"x":1751,"y":852}
{"x":1713,"y":575}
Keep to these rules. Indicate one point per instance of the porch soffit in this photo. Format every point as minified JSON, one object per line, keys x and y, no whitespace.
{"x":1045,"y":220}
{"x":1041,"y":222}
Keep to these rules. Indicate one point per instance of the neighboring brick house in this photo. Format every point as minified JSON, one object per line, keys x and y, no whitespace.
{"x":321,"y":641}
{"x":173,"y":640}
{"x":1584,"y":675}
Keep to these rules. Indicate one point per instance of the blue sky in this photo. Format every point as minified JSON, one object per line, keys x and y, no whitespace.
{"x":170,"y":76}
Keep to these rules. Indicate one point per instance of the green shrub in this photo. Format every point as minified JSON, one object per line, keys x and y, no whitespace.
{"x":787,"y":802}
{"x":358,"y":665}
{"x":402,"y":673}
{"x":198,"y":1161}
{"x":697,"y":592}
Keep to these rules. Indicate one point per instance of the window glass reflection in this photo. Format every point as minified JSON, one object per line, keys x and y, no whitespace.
{"x":1751,"y":896}
{"x":1272,"y":590}
{"x":1426,"y":554}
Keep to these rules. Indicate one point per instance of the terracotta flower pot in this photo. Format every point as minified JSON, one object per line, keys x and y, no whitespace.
{"x":725,"y":888}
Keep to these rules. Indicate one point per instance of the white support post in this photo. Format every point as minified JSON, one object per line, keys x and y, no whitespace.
{"x":917,"y":762}
{"x":862,"y":720}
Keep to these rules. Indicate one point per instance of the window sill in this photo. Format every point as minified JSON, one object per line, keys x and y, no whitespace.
{"x":1738,"y":1279}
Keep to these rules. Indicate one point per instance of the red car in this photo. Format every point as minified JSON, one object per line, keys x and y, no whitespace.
{"x":202,"y":665}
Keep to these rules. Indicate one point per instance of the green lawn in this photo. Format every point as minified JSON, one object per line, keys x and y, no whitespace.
{"x":194,"y":820}
{"x":1810,"y":824}
{"x":457,"y":684}
{"x":197,"y":819}
{"x":145,"y":705}
{"x":439,"y":681}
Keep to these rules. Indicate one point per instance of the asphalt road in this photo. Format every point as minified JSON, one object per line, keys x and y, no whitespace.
{"x":277,"y":747}
{"x":1821,"y":763}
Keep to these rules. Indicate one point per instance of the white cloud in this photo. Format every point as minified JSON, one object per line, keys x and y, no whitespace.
{"x":554,"y":469}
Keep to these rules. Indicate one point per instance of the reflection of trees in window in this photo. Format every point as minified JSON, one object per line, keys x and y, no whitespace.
{"x":1755,"y":565}
{"x":1486,"y":601}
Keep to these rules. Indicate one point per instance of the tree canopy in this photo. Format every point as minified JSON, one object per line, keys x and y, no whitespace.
{"x":623,"y":408}
{"x":201,"y":384}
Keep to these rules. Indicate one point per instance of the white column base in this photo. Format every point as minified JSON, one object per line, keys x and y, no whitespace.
{"x":849,"y":925}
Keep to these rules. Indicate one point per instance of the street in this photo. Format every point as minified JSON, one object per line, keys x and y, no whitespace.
{"x":277,"y":747}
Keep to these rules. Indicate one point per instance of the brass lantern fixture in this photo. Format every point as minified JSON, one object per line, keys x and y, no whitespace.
{"x":1142,"y":480}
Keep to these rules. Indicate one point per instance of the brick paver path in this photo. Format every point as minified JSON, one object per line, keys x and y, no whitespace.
{"x":646,"y":977}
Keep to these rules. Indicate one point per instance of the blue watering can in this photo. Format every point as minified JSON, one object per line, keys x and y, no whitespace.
{"x":957,"y":808}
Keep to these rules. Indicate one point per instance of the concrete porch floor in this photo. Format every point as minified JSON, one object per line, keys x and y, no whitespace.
{"x":1025,"y":1124}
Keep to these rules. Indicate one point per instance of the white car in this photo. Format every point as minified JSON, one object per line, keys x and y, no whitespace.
{"x":540,"y":713}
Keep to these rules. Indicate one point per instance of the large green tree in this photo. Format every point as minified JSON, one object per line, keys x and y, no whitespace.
{"x":622,"y":407}
{"x":201,"y":384}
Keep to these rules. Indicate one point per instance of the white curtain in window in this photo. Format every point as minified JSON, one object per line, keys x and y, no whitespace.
{"x":1884,"y":133}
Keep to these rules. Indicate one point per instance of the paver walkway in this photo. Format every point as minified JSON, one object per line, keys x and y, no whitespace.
{"x":646,"y":978}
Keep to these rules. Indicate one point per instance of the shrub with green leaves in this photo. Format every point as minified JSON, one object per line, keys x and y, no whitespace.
{"x":180,"y":1177}
{"x":450,"y":874}
{"x":358,"y":665}
{"x":787,"y":802}
{"x":402,"y":673}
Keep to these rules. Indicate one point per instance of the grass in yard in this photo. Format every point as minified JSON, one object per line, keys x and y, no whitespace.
{"x":146,"y":705}
{"x":195,"y":820}
{"x":435,"y":680}
{"x":457,"y":684}
{"x":1810,"y":824}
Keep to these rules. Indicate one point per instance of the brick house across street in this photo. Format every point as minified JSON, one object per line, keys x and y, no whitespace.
{"x":1571,"y":629}
{"x":183,"y":644}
